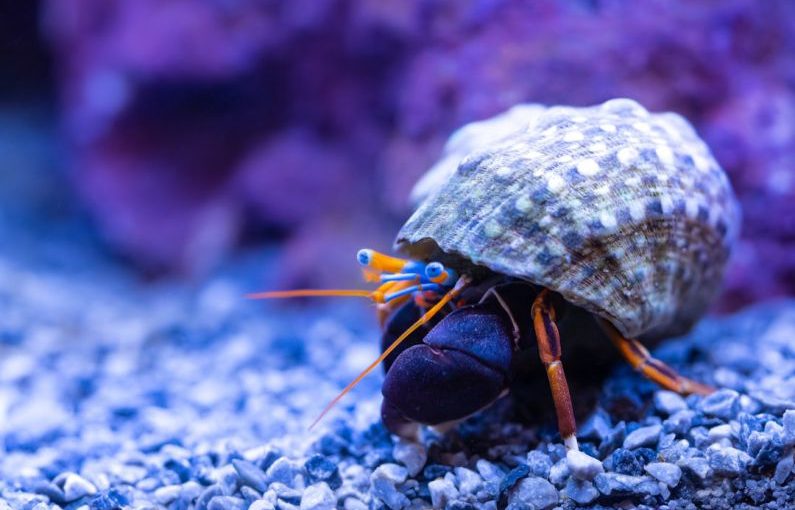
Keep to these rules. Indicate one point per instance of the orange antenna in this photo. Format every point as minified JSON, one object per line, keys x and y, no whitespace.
{"x":454,"y":292}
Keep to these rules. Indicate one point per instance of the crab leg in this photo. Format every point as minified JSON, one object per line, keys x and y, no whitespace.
{"x":641,"y":360}
{"x":549,"y":350}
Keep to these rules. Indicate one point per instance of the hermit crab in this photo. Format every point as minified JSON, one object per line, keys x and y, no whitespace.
{"x":607,"y":211}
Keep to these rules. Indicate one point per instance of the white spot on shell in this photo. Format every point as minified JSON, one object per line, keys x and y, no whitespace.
{"x":588,"y":167}
{"x":666,"y":204}
{"x":555,"y":183}
{"x":701,"y":163}
{"x":504,"y":171}
{"x":632,"y":181}
{"x":598,"y":147}
{"x":602,"y":190}
{"x":642,"y":126}
{"x":550,"y":131}
{"x":573,"y":136}
{"x":546,"y":220}
{"x":609,"y":128}
{"x":493,"y":229}
{"x":665,"y":154}
{"x":627,"y":155}
{"x":579,"y":118}
{"x":523,"y":204}
{"x":608,"y":220}
{"x":565,"y":158}
{"x":691,"y":208}
{"x":637,"y":211}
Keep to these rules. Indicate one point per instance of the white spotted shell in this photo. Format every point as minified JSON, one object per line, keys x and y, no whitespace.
{"x":623,"y":212}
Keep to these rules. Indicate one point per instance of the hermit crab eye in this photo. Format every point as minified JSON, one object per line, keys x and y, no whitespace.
{"x":365,"y":257}
{"x":434,"y":270}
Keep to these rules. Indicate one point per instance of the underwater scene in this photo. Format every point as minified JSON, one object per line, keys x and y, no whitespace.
{"x":397,"y":254}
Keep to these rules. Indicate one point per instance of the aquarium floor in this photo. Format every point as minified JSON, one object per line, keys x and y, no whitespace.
{"x":118,"y":394}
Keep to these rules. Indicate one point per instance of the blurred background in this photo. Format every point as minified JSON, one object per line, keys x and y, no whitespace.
{"x":182,"y":131}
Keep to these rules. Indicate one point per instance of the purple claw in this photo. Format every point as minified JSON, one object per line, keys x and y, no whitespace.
{"x":462,"y":366}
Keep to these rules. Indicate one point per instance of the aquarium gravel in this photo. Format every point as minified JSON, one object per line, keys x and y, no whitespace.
{"x":118,"y":394}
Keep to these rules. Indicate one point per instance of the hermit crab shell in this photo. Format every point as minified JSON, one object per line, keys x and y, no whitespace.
{"x":623,"y":212}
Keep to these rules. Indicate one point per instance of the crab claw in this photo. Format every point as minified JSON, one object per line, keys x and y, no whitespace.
{"x":462,"y":366}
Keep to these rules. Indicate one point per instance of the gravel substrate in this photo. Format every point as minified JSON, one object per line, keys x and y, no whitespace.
{"x":113,"y":394}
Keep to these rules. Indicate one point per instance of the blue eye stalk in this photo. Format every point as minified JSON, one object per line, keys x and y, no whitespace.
{"x":431,"y":276}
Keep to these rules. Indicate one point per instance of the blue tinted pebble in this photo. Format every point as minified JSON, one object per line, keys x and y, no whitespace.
{"x":784,"y":469}
{"x":320,"y":469}
{"x":249,"y":494}
{"x":533,"y":492}
{"x":727,"y":461}
{"x":788,"y":421}
{"x":667,"y":473}
{"x":282,"y":471}
{"x":250,"y":475}
{"x":582,"y":466}
{"x":318,"y":497}
{"x":75,"y":487}
{"x":262,"y":504}
{"x":443,"y":492}
{"x":513,"y":477}
{"x":383,"y":482}
{"x":167,"y":494}
{"x":539,"y":463}
{"x":226,"y":503}
{"x":559,"y":472}
{"x":697,"y":466}
{"x":616,"y":484}
{"x":596,"y":427}
{"x":581,"y":491}
{"x":181,"y":467}
{"x":467,"y":481}
{"x":208,"y":494}
{"x":625,"y":462}
{"x":644,"y":436}
{"x":52,"y":491}
{"x":669,"y":402}
{"x":721,"y":404}
{"x":412,"y":455}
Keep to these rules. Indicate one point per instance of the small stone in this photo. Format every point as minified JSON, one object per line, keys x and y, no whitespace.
{"x":596,"y":427}
{"x":75,"y":487}
{"x":667,"y":473}
{"x":698,"y":466}
{"x":489,"y":471}
{"x":669,"y":402}
{"x":539,"y":463}
{"x":410,"y":454}
{"x":581,"y":491}
{"x":625,"y":462}
{"x":262,"y":504}
{"x":226,"y":503}
{"x":468,"y":481}
{"x":167,"y":494}
{"x":719,"y":433}
{"x":788,"y":422}
{"x":383,"y":481}
{"x":208,"y":494}
{"x":559,"y":472}
{"x":320,"y":469}
{"x":533,"y":493}
{"x":250,"y":475}
{"x":721,"y":404}
{"x":582,"y":466}
{"x":318,"y":497}
{"x":249,"y":494}
{"x":784,"y":469}
{"x":282,"y":471}
{"x":644,"y":436}
{"x":442,"y":491}
{"x":616,"y":484}
{"x":680,"y":422}
{"x":727,"y":461}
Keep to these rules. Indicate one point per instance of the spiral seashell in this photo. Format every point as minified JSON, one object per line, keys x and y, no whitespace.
{"x":623,"y":212}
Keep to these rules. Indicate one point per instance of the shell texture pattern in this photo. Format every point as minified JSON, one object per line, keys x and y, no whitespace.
{"x":623,"y":212}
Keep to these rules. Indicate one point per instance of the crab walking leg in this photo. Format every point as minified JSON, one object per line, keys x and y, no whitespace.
{"x":549,"y":349}
{"x":641,"y":360}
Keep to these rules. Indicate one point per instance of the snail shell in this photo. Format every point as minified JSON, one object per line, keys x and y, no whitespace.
{"x":623,"y":212}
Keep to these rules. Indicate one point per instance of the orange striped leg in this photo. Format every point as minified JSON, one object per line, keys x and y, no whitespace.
{"x":641,"y":360}
{"x":549,"y":349}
